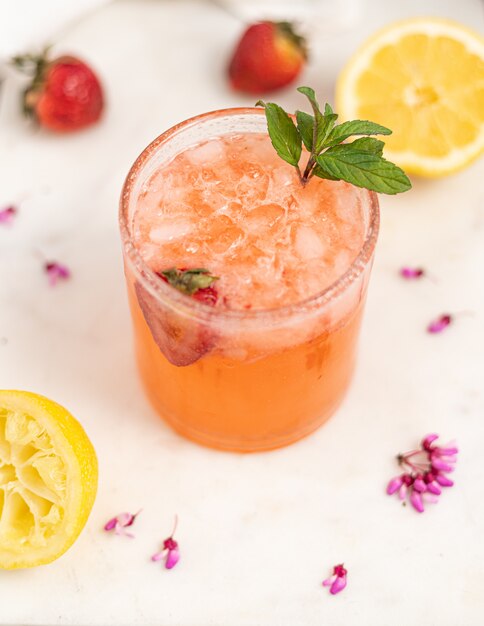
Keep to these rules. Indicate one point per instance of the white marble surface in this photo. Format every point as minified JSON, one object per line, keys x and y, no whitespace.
{"x":257,"y":533}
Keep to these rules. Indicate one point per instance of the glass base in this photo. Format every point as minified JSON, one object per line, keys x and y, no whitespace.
{"x":242,"y":446}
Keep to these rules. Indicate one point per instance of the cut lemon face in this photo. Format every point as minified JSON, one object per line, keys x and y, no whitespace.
{"x":48,"y":479}
{"x":424,"y":79}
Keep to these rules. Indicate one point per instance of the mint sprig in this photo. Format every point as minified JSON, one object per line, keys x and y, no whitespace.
{"x":360,"y":162}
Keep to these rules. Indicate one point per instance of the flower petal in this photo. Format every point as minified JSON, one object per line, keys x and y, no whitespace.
{"x":125,"y":519}
{"x":7,"y":214}
{"x":338,"y":585}
{"x":158,"y":556}
{"x":428,"y":440}
{"x":449,"y":451}
{"x":419,"y":485}
{"x":440,"y":465}
{"x":394,"y":485}
{"x":438,"y":325}
{"x":433,"y":487}
{"x":416,"y":501}
{"x":411,"y":272}
{"x":444,"y":481}
{"x":329,"y":581}
{"x":111,"y":524}
{"x":56,"y":271}
{"x":172,"y":558}
{"x":402,"y":492}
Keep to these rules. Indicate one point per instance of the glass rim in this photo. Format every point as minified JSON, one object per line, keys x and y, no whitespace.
{"x":173,"y":298}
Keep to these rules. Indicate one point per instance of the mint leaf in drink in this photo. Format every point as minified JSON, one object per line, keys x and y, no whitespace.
{"x":188,"y":281}
{"x":363,"y":169}
{"x":356,"y":127}
{"x":359,"y":162}
{"x":284,"y":135}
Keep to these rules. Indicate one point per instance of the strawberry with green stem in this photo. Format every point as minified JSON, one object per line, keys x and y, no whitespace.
{"x":269,"y":56}
{"x":182,"y":340}
{"x":64,"y":95}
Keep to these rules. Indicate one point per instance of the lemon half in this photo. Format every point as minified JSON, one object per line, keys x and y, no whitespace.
{"x":48,"y":479}
{"x":424,"y":79}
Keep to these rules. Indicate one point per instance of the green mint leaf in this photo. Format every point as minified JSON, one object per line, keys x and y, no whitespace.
{"x":323,"y":123}
{"x":189,"y":281}
{"x":355,"y":127}
{"x":368,"y":144}
{"x":363,"y":169}
{"x":283,"y":133}
{"x":322,"y":173}
{"x":305,"y":126}
{"x":328,"y":110}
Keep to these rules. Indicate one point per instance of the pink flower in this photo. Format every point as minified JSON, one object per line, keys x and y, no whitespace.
{"x":440,"y":324}
{"x":412,"y":272}
{"x":7,"y":214}
{"x":426,"y":469}
{"x":121,"y":522}
{"x":55,"y":272}
{"x":170,"y":550}
{"x":336,"y":582}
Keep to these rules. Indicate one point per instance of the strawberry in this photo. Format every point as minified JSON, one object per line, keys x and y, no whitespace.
{"x":65,"y":94}
{"x":182,"y":340}
{"x":270,"y":55}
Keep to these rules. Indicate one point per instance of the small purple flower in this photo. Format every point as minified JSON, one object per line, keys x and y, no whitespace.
{"x":170,"y":550}
{"x":336,"y":582}
{"x":440,"y":324}
{"x":121,"y":522}
{"x":55,"y":272}
{"x":7,"y":214}
{"x":411,"y":273}
{"x":426,"y":469}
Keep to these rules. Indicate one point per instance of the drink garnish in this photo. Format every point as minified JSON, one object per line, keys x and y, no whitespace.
{"x":359,"y":162}
{"x":181,"y":340}
{"x":189,"y":281}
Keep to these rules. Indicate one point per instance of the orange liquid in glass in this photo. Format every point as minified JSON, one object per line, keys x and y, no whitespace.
{"x":232,"y":206}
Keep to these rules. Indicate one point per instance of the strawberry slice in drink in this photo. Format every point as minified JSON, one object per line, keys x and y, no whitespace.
{"x":182,"y":340}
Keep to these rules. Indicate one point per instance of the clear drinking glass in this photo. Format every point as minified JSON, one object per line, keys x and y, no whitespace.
{"x":267,"y":377}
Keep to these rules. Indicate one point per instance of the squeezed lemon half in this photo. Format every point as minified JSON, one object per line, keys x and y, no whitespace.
{"x":48,"y":479}
{"x":424,"y":79}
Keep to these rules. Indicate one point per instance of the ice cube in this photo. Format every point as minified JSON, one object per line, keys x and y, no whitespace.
{"x":307,"y":243}
{"x":170,"y":229}
{"x":208,"y":152}
{"x":282,"y":176}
